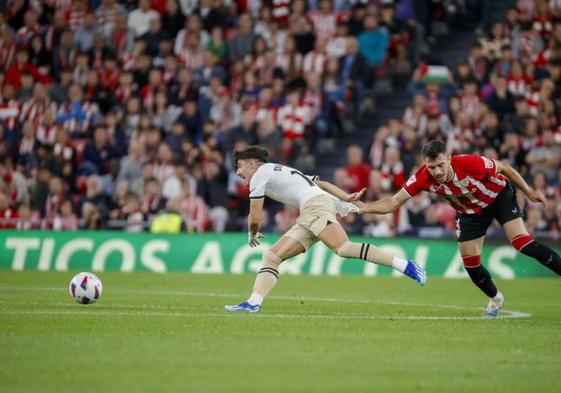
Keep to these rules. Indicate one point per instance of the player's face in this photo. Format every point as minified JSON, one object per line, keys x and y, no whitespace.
{"x":246,"y":169}
{"x":440,"y":168}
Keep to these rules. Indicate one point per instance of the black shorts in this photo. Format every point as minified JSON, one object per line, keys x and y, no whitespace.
{"x":504,"y":209}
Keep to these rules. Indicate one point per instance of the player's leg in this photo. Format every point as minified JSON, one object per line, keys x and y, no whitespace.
{"x":470,"y":251}
{"x":509,"y":215}
{"x":523,"y":242}
{"x":268,"y":275}
{"x":294,"y":242}
{"x":471,"y":230}
{"x":335,"y":237}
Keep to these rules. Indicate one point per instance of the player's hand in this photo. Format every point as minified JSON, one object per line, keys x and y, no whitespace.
{"x":355,"y":196}
{"x":360,"y":206}
{"x":254,"y":239}
{"x":536,"y":196}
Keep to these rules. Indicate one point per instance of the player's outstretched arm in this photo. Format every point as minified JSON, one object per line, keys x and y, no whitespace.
{"x":339,"y":193}
{"x":517,"y":179}
{"x":386,"y":205}
{"x":254,"y":220}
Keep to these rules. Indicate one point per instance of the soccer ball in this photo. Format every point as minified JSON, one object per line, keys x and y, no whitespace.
{"x":85,"y":288}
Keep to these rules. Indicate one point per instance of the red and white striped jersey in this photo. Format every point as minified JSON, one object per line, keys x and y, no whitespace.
{"x":46,"y":134}
{"x":313,"y":100}
{"x":76,"y":125}
{"x":281,"y":10}
{"x":7,"y":54}
{"x":195,"y":212}
{"x":9,"y":112}
{"x":106,"y":16}
{"x":474,"y":186}
{"x":24,"y":34}
{"x":470,"y":105}
{"x":314,"y":62}
{"x":324,"y":24}
{"x":163,"y":171}
{"x":519,"y":86}
{"x":34,"y":110}
{"x":293,"y":120}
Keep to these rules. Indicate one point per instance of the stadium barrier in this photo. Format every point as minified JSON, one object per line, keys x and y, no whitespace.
{"x":229,"y":253}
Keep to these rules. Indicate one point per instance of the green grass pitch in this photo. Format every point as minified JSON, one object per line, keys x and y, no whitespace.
{"x":169,"y":333}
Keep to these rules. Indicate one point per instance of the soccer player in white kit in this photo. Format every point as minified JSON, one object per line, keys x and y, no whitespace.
{"x":319,"y":202}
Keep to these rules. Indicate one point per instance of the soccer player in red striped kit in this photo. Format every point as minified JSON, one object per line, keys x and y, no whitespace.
{"x":480,"y":189}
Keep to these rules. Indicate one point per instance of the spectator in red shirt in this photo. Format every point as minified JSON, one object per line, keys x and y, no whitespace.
{"x":22,"y":65}
{"x":357,"y":170}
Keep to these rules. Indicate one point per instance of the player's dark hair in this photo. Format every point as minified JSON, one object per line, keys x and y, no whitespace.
{"x":250,"y":152}
{"x":433,"y":149}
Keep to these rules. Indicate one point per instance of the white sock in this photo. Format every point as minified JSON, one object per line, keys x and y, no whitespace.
{"x":255,"y":299}
{"x":498,"y":295}
{"x":399,"y":264}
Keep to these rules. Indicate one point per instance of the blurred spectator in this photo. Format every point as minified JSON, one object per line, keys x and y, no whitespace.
{"x":356,"y":73}
{"x":99,"y":153}
{"x":213,"y":188}
{"x":193,"y":209}
{"x":27,"y":219}
{"x":357,"y":170}
{"x":8,"y":216}
{"x":293,"y":117}
{"x":501,"y":101}
{"x":153,"y":200}
{"x":84,"y":36}
{"x":379,"y":225}
{"x":53,"y":202}
{"x":139,"y":18}
{"x":373,"y":41}
{"x":132,"y":214}
{"x":169,"y":221}
{"x":173,"y":20}
{"x":545,"y":158}
{"x":242,"y":42}
{"x":286,"y":218}
{"x":91,"y":218}
{"x":65,"y":219}
{"x":392,"y":169}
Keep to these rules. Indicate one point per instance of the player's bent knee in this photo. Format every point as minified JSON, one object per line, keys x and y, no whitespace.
{"x":521,"y":241}
{"x":270,"y":259}
{"x":347,"y":250}
{"x":472,"y":261}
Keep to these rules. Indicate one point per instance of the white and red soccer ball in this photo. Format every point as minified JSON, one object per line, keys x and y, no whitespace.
{"x":85,"y":288}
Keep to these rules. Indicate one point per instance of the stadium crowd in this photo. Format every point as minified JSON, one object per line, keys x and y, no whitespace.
{"x":502,"y":101}
{"x":115,"y":112}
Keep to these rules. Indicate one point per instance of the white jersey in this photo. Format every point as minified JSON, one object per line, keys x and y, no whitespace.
{"x":291,"y":187}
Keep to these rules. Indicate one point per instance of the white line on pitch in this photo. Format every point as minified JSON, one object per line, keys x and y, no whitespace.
{"x":236,"y":295}
{"x":513,"y":314}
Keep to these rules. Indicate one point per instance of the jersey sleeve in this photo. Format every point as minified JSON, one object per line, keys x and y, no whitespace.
{"x":478,"y":167}
{"x":258,"y":184}
{"x":417,"y":182}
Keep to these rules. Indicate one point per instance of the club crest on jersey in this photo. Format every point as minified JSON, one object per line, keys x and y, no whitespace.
{"x":464,"y":182}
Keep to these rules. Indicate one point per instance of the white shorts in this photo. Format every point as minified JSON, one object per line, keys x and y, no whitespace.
{"x":314,"y":217}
